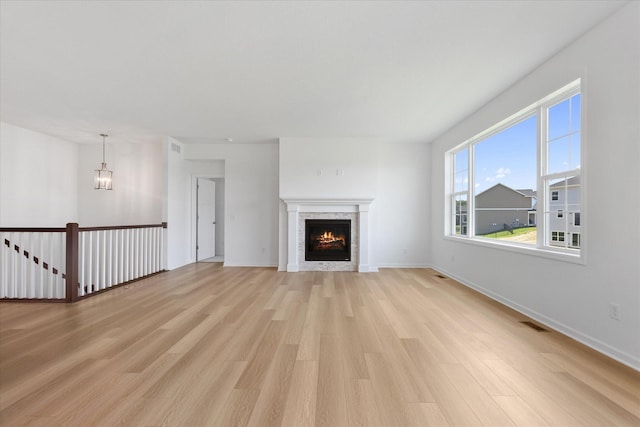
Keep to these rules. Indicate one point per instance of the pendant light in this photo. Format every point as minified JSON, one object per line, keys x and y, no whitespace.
{"x":102,"y":176}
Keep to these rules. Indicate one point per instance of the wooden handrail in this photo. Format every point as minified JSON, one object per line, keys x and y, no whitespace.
{"x":32,"y":230}
{"x":62,"y":230}
{"x":71,"y":263}
{"x":122,"y":227}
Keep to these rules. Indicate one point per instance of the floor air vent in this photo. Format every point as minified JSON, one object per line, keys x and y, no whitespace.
{"x":534,"y":326}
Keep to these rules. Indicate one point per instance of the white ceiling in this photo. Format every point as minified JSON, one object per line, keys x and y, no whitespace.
{"x":254,"y":71}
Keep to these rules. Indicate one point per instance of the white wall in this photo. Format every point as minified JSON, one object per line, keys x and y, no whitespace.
{"x":401,"y":226}
{"x":178,"y":205}
{"x":328,"y":167}
{"x":395,"y":175}
{"x":251,"y":200}
{"x":38,"y":179}
{"x":220,"y":209}
{"x":137,"y":194}
{"x":570,"y":297}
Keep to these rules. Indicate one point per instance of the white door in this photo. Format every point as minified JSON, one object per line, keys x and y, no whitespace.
{"x":206,"y":234}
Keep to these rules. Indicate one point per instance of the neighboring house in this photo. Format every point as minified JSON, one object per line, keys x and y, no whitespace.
{"x":564,"y":213}
{"x":500,"y":205}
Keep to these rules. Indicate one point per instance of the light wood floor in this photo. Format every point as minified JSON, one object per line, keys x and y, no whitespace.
{"x":206,"y":345}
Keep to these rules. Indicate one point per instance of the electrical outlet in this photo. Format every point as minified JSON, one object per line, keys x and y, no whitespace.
{"x":615,"y":311}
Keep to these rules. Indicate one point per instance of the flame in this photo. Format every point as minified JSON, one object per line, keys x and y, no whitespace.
{"x":329,"y":237}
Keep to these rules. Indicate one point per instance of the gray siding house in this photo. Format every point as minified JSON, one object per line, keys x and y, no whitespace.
{"x":501,"y":206}
{"x":564,"y":213}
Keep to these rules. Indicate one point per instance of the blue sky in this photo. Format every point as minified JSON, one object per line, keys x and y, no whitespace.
{"x":510,"y":157}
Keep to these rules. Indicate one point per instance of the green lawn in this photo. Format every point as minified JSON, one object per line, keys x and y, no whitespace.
{"x":507,"y":234}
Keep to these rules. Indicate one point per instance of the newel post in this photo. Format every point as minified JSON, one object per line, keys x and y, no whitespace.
{"x":72,"y":262}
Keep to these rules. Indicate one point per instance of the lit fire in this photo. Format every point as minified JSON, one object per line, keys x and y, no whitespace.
{"x":328,"y":237}
{"x":329,"y":241}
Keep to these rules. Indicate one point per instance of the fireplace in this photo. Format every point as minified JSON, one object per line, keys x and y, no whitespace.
{"x":327,"y":240}
{"x":354,"y":210}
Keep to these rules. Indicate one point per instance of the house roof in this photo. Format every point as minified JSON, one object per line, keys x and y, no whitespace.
{"x":524,"y":193}
{"x":571,"y":182}
{"x":529,"y":193}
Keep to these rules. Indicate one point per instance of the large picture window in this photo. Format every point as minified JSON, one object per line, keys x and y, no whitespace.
{"x":518,"y":183}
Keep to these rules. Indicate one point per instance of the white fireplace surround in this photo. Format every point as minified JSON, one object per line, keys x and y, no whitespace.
{"x":360,"y":207}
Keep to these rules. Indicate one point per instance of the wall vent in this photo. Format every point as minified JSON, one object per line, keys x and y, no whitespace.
{"x":175,"y":147}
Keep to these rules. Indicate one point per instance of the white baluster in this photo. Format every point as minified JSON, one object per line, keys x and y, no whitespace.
{"x":22,"y":278}
{"x":82,"y":261}
{"x":10,"y":268}
{"x":62,"y":260}
{"x":26,"y":248}
{"x":4,"y":266}
{"x":97,"y":262}
{"x":108,"y":259}
{"x":134,"y":253}
{"x":88,"y":262}
{"x":145,"y":255}
{"x":37,"y":268}
{"x":47,"y":256}
{"x":120,"y":249}
{"x":102,"y":277}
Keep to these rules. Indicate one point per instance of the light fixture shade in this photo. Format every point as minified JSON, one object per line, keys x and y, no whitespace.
{"x":102,"y":178}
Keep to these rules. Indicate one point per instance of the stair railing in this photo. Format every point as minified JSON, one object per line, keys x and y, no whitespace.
{"x":68,"y":264}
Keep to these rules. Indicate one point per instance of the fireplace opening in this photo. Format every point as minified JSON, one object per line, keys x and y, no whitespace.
{"x":327,"y":240}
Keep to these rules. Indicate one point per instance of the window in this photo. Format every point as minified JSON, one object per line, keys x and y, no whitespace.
{"x":461,"y":185}
{"x":505,"y":181}
{"x":513,"y":183}
{"x":557,"y":236}
{"x":575,"y":240}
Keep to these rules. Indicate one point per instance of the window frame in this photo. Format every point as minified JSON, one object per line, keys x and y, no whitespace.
{"x":543,"y":246}
{"x":572,"y":240}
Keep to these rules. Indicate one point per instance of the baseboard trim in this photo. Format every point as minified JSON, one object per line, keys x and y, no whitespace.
{"x":235,"y":264}
{"x":405,"y":266}
{"x":594,"y":343}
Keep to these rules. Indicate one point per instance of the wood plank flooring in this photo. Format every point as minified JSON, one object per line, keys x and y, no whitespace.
{"x":205,"y":345}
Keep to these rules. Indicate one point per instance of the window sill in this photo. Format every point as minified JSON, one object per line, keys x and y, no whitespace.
{"x":549,"y":253}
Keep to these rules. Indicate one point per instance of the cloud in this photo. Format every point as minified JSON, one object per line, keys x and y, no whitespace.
{"x":502,"y":172}
{"x":489,"y":179}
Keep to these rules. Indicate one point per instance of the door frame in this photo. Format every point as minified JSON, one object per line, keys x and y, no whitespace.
{"x":199,"y":197}
{"x":194,"y":210}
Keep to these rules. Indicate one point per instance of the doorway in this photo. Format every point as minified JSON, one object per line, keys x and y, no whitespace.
{"x":205,"y":219}
{"x":208,"y":219}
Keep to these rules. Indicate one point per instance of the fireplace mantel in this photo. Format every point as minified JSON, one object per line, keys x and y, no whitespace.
{"x":360,"y":207}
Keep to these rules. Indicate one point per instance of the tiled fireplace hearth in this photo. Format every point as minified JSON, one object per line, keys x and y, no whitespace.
{"x":356,"y":210}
